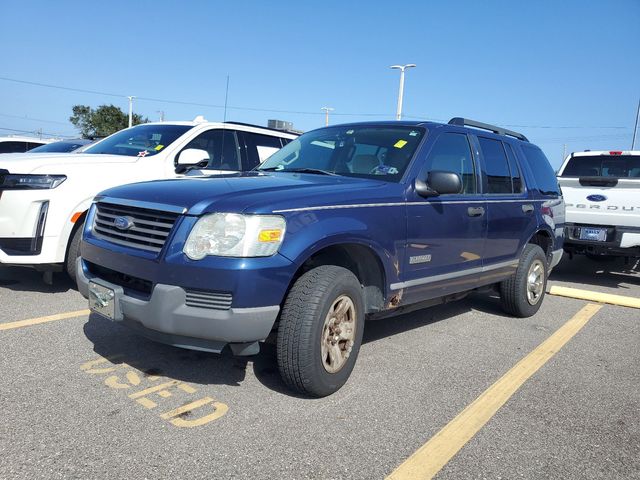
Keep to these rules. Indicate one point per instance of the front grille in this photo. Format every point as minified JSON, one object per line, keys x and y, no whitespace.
{"x":211,"y":300}
{"x":148,"y":229}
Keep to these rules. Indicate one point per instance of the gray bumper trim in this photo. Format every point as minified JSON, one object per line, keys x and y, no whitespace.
{"x":164,"y":317}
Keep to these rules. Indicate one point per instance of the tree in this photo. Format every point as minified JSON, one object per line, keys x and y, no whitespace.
{"x":103,"y":121}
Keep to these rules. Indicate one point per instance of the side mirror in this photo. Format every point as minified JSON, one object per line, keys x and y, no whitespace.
{"x":439,"y":183}
{"x":191,"y":158}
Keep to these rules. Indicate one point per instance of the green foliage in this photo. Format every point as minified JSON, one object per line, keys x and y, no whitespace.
{"x":103,"y":121}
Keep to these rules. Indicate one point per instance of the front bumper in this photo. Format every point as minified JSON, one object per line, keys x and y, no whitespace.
{"x":620,"y":241}
{"x":165,"y":317}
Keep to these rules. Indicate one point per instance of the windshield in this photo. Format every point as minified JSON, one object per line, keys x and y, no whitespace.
{"x":617,"y":166}
{"x":139,"y":141}
{"x":59,"y":147}
{"x":380,"y":152}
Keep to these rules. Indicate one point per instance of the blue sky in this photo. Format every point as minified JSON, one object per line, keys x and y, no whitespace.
{"x":561,"y":72}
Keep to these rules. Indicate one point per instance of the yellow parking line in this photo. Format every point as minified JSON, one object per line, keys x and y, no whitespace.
{"x":437,"y":452}
{"x":36,"y":321}
{"x":620,"y":300}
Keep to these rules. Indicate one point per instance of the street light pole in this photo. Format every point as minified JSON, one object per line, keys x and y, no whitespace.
{"x":326,"y":116}
{"x":131,"y":110}
{"x":402,"y":68}
{"x":635,"y":127}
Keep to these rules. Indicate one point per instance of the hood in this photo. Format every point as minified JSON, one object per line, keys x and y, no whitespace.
{"x":251,"y":192}
{"x":56,"y":163}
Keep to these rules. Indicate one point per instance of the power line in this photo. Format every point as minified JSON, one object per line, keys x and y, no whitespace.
{"x":38,"y":132}
{"x":33,"y":119}
{"x":295,"y":112}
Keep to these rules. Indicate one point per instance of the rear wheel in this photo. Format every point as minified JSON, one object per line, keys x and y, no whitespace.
{"x":73,"y":251}
{"x":522,"y":294}
{"x":320,"y":330}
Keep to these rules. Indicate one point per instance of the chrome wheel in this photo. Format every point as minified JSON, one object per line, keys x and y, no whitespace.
{"x":535,"y":282}
{"x":338,"y":334}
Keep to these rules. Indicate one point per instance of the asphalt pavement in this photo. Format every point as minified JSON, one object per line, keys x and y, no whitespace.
{"x":83,"y":397}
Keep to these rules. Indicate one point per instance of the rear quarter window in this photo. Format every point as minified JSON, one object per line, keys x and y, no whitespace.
{"x":543,"y":174}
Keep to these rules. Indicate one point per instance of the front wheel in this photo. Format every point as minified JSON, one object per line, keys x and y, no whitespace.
{"x":521,"y":294}
{"x":320,"y":330}
{"x":73,"y":251}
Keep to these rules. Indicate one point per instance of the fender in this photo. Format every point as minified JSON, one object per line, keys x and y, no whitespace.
{"x":310,"y":232}
{"x":65,"y":234}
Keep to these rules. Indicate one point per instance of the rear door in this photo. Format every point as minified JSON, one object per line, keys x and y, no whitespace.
{"x":446,"y":232}
{"x":511,"y":216}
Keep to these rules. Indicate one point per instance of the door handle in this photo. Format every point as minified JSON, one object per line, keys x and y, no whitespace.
{"x":475,"y":211}
{"x":527,"y":208}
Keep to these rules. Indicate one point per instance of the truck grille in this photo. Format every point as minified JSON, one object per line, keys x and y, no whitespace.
{"x":211,"y":300}
{"x":147,"y":229}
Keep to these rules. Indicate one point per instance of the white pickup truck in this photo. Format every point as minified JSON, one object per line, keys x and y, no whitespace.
{"x":602,"y":196}
{"x":44,"y":198}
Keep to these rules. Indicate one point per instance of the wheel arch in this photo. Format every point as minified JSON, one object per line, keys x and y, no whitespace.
{"x":359,"y":258}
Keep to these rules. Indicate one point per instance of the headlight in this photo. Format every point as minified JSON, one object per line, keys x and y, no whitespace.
{"x":235,"y":235}
{"x":27,"y":182}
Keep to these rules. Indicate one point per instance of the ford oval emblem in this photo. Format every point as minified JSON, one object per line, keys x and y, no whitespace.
{"x":596,"y":198}
{"x":123,"y":223}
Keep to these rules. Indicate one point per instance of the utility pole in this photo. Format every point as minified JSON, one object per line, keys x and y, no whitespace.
{"x":402,"y":68}
{"x":633,"y":143}
{"x":564,"y":151}
{"x":326,"y":115}
{"x":131,"y":110}
{"x":161,"y":112}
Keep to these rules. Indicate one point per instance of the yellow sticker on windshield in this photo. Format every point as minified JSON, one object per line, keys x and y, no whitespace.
{"x":400,"y":143}
{"x":159,"y":147}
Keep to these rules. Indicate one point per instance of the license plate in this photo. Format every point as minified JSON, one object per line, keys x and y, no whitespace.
{"x":102,"y":300}
{"x":595,"y":234}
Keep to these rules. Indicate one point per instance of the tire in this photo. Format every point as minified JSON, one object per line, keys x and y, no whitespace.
{"x":310,"y":359}
{"x":522,"y":294}
{"x":73,"y":251}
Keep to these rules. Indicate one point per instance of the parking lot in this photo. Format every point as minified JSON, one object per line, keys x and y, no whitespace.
{"x":86,"y":398}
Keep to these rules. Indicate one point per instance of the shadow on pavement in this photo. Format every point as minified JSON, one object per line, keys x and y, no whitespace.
{"x":120,"y":345}
{"x":23,"y":279}
{"x":582,"y":270}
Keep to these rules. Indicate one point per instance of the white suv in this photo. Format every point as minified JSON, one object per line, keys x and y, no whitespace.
{"x":44,"y":198}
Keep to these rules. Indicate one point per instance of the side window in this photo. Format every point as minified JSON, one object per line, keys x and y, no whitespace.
{"x":496,"y":166}
{"x":544,"y":175}
{"x":13,"y":147}
{"x":222,"y":147}
{"x":451,"y":153}
{"x":516,"y":176}
{"x":33,"y":145}
{"x":260,"y":147}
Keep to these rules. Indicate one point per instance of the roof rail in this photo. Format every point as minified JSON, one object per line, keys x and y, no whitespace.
{"x":465,"y":122}
{"x":260,"y":126}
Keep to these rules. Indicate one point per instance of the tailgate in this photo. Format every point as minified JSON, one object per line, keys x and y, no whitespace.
{"x":586,"y":202}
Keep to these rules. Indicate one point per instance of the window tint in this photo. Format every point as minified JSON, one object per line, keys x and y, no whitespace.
{"x":496,"y":166}
{"x":451,"y":153}
{"x":31,"y":145}
{"x":260,"y":147}
{"x":13,"y":147}
{"x":516,"y":177}
{"x":542,"y":172}
{"x":222,"y":147}
{"x":618,"y":166}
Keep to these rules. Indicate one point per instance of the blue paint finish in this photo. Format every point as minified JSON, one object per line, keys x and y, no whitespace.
{"x":324,"y":211}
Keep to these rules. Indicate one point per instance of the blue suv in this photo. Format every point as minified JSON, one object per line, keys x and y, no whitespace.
{"x":345,"y":223}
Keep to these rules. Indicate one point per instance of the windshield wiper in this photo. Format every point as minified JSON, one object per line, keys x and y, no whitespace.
{"x":310,"y":170}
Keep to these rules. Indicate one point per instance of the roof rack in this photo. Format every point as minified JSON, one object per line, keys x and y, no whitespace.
{"x":465,"y":122}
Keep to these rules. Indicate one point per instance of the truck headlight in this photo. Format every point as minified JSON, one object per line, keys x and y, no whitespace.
{"x":12,"y":181}
{"x":235,"y":235}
